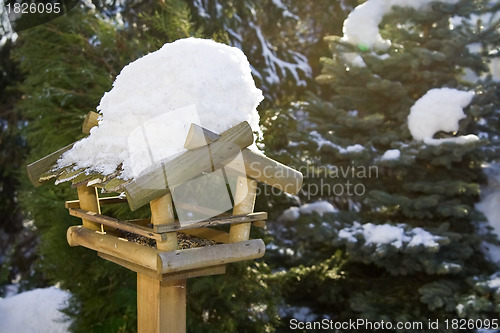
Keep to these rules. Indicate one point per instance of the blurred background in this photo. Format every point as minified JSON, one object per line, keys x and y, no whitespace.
{"x":386,"y":227}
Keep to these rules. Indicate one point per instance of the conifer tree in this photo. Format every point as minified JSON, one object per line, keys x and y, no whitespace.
{"x":69,"y":64}
{"x":15,"y":257}
{"x":281,"y":39}
{"x":404,"y":243}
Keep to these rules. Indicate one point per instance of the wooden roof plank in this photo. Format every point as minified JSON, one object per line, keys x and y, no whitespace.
{"x":156,"y":181}
{"x":115,"y":185}
{"x":44,"y":165}
{"x":255,"y":165}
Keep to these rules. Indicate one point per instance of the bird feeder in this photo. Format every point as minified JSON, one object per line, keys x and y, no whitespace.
{"x":162,"y":266}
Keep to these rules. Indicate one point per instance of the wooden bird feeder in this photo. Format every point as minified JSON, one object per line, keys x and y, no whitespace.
{"x":162,"y":269}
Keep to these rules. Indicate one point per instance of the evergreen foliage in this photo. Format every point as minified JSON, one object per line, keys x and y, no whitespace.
{"x":281,"y":39}
{"x":343,"y":133}
{"x":15,"y":241}
{"x":69,"y":63}
{"x":336,"y":135}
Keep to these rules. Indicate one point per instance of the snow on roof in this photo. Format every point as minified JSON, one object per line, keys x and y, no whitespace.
{"x":440,"y":109}
{"x":147,"y":113}
{"x":361,"y":26}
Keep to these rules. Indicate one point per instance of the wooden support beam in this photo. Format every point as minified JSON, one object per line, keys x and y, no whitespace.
{"x":89,"y":200}
{"x":244,"y":200}
{"x":117,"y":224}
{"x":156,"y":181}
{"x":198,"y":137}
{"x":205,"y":271}
{"x":114,"y":246}
{"x":160,"y":232}
{"x":180,"y":260}
{"x":256,"y":166}
{"x":91,"y":120}
{"x":164,"y":262}
{"x":213,"y":222}
{"x":268,"y":171}
{"x":162,"y":214}
{"x":161,"y":305}
{"x":102,"y":202}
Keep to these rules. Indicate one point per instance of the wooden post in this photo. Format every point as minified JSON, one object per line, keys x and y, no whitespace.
{"x":161,"y":305}
{"x":244,"y":199}
{"x":89,"y":200}
{"x":162,"y":212}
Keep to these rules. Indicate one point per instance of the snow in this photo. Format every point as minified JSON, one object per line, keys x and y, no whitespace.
{"x":34,"y":311}
{"x":357,"y":148}
{"x":290,"y":214}
{"x":486,"y":21}
{"x":320,"y":141}
{"x":396,"y":235}
{"x":279,"y":62}
{"x":440,"y":109}
{"x":147,"y":113}
{"x":391,"y":154}
{"x":361,"y":26}
{"x":286,"y":11}
{"x":293,"y":213}
{"x":275,"y":64}
{"x":494,"y":282}
{"x":489,"y":205}
{"x":321,"y":207}
{"x":383,"y":234}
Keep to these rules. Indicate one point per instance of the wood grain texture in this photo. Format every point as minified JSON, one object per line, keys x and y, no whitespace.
{"x":167,"y":311}
{"x":256,"y":166}
{"x":244,"y":202}
{"x":198,"y":137}
{"x":207,"y":256}
{"x":89,"y":201}
{"x":158,"y":232}
{"x":205,"y":271}
{"x":216,"y":221}
{"x":91,"y":120}
{"x":102,"y":202}
{"x":161,"y":305}
{"x":38,"y":168}
{"x":114,"y":246}
{"x":156,"y":181}
{"x":116,"y":223}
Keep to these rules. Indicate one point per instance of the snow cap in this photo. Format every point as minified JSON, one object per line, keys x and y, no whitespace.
{"x":439,"y":109}
{"x":361,"y":26}
{"x":145,"y":117}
